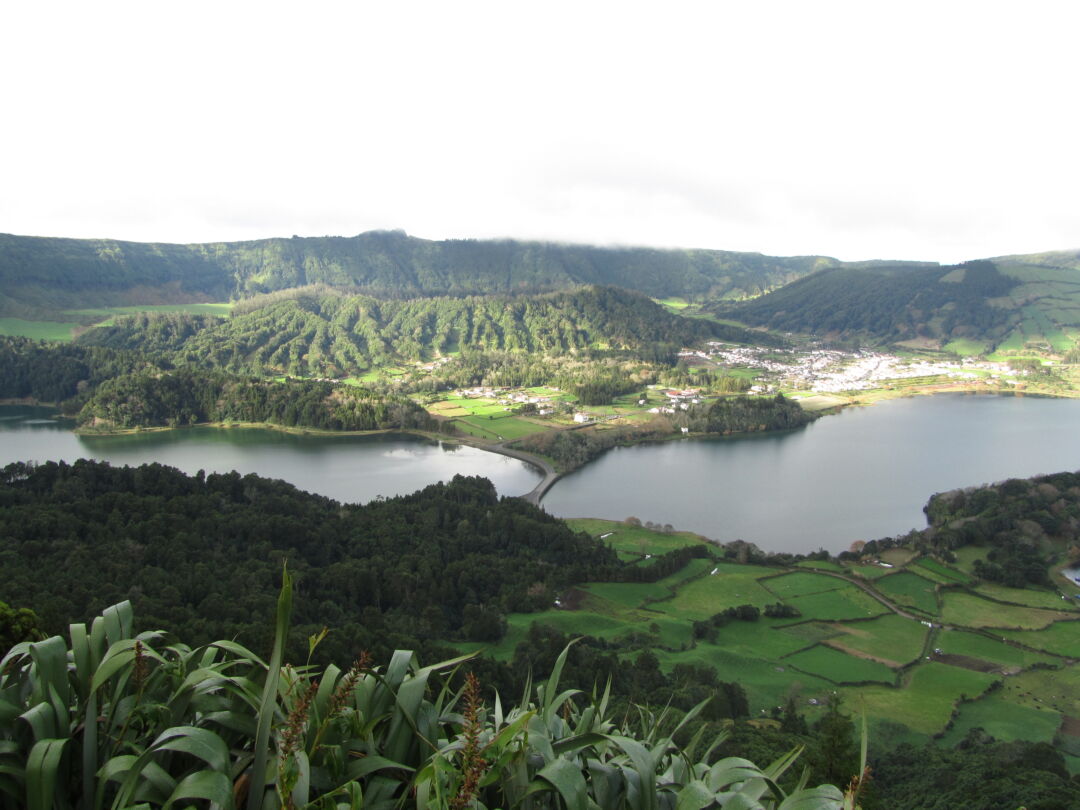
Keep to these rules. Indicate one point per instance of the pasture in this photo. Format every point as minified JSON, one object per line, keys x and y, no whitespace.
{"x":969,"y":610}
{"x":910,"y":590}
{"x":839,"y":667}
{"x":891,"y":639}
{"x":1060,"y":637}
{"x":973,"y":645}
{"x":1004,"y":720}
{"x":925,"y":702}
{"x":37,"y":330}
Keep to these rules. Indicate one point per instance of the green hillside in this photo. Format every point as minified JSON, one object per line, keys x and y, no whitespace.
{"x":316,"y":333}
{"x":41,"y":277}
{"x":1010,"y":304}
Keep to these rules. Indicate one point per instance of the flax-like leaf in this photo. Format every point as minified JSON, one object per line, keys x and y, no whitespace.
{"x":694,"y":796}
{"x":267,"y":704}
{"x":42,"y":773}
{"x":825,"y":797}
{"x":567,"y":779}
{"x":212,"y":786}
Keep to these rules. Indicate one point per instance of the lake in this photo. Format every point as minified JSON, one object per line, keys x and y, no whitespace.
{"x":351,"y":469}
{"x":861,"y":474}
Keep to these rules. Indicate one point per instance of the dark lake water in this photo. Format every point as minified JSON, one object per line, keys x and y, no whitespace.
{"x":351,"y":469}
{"x":862,"y":474}
{"x":859,"y":475}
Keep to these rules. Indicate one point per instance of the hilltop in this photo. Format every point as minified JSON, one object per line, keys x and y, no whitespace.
{"x":43,"y":276}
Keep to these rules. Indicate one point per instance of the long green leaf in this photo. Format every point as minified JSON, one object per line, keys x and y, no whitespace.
{"x":42,"y":773}
{"x":567,"y":779}
{"x":269,"y":695}
{"x":213,"y":786}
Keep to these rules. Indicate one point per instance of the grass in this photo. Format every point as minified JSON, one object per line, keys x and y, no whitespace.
{"x":839,"y":667}
{"x":729,"y":587}
{"x":765,"y":638}
{"x":925,"y":703}
{"x":820,"y":565}
{"x":1050,"y":600}
{"x":767,"y":683}
{"x":220,"y":309}
{"x":966,"y":347}
{"x":36,"y":330}
{"x":939,"y":572}
{"x":958,"y":642}
{"x":966,"y":556}
{"x":891,"y":639}
{"x":1062,"y":638}
{"x":812,"y":632}
{"x":844,"y":603}
{"x":911,"y":590}
{"x":633,"y":542}
{"x":507,"y":427}
{"x":1004,"y":720}
{"x":802,"y":584}
{"x":967,"y":610}
{"x":1047,"y":690}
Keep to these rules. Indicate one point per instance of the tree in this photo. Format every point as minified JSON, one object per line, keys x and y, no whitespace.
{"x":835,"y":755}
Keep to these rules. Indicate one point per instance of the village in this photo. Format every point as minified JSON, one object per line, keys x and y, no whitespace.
{"x":833,"y":371}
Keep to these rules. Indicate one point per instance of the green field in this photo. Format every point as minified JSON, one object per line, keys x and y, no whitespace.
{"x":730,"y":586}
{"x":932,"y":569}
{"x":820,"y":565}
{"x":802,"y":584}
{"x":891,"y":639}
{"x":1051,"y":600}
{"x":1062,"y":638}
{"x":911,"y":590}
{"x":973,"y":645}
{"x":221,"y":309}
{"x":1055,"y":690}
{"x":968,"y":610}
{"x":767,"y":683}
{"x":848,"y":602}
{"x":633,"y":542}
{"x":926,"y":701}
{"x":37,"y":330}
{"x":504,"y":427}
{"x":1004,"y":720}
{"x":966,"y":347}
{"x":838,"y":667}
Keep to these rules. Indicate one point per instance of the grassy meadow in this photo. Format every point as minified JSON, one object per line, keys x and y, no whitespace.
{"x":907,"y":677}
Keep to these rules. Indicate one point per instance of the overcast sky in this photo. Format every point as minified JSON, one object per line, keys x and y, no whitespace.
{"x":941,"y":131}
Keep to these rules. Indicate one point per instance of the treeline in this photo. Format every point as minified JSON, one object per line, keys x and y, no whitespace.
{"x":729,"y":415}
{"x":305,"y":334}
{"x":189,"y":396}
{"x":1012,"y":520}
{"x":738,"y":414}
{"x":203,"y":554}
{"x":888,"y":303}
{"x":55,"y":372}
{"x":41,"y":275}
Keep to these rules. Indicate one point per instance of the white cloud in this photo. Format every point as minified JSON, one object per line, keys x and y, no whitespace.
{"x":914,"y":130}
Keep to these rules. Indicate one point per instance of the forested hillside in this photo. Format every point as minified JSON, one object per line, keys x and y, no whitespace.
{"x":315,"y":332}
{"x":1012,"y":303}
{"x":47,"y":275}
{"x":203,"y":554}
{"x":889,"y":303}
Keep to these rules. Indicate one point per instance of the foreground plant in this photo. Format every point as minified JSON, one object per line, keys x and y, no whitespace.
{"x":115,"y":720}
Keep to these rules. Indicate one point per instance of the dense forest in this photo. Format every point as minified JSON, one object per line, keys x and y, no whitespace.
{"x":1012,"y":520}
{"x":109,"y":389}
{"x":888,"y":303}
{"x":203,"y":552}
{"x":41,"y":276}
{"x":190,"y":396}
{"x":314,"y":332}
